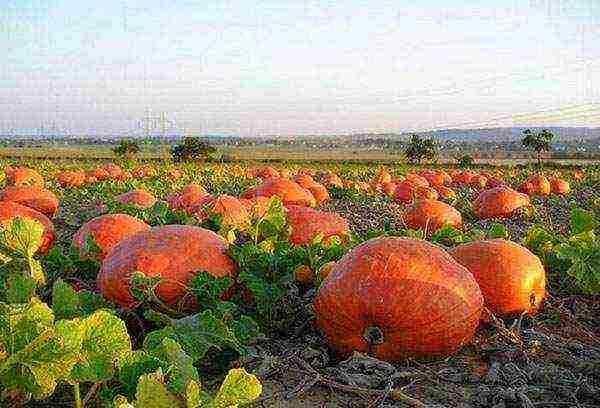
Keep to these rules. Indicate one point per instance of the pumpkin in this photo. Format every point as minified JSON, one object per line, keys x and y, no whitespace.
{"x":404,"y":191}
{"x":173,"y":252}
{"x":511,"y":278}
{"x":144,"y":171}
{"x":319,"y":192}
{"x":10,"y":210}
{"x":499,"y":202}
{"x":333,"y":180}
{"x":113,"y":170}
{"x":306,"y":223}
{"x":445,"y":192}
{"x":559,"y":186}
{"x":425,"y":193}
{"x":72,"y":179}
{"x":107,"y":231}
{"x":323,"y":272}
{"x":536,"y":185}
{"x":256,"y":207}
{"x":290,"y":192}
{"x":479,"y":181}
{"x":124,"y":176}
{"x":431,"y":215}
{"x":303,"y":274}
{"x":231,"y":211}
{"x":267,"y":172}
{"x":397,"y":298}
{"x":138,"y":198}
{"x":464,"y":177}
{"x":389,"y":189}
{"x":23,"y":176}
{"x":37,"y":198}
{"x":304,"y":180}
{"x":98,"y":174}
{"x":383,"y":177}
{"x":436,"y":178}
{"x":417,"y":180}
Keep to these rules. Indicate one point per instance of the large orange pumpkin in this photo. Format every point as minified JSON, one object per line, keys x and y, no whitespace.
{"x":175,"y":253}
{"x":319,"y":192}
{"x":10,"y":210}
{"x":304,"y":180}
{"x":23,"y":176}
{"x":289,"y":192}
{"x":398,"y":298}
{"x":138,"y":198}
{"x":404,"y":191}
{"x":431,"y":215}
{"x":306,"y":223}
{"x":113,"y":170}
{"x":107,"y":231}
{"x":37,"y":198}
{"x":98,"y":174}
{"x":511,"y":278}
{"x":499,"y":202}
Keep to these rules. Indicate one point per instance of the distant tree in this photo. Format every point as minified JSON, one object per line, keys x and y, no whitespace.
{"x":127,"y":148}
{"x":419,"y":149}
{"x":465,"y":160}
{"x":539,"y":142}
{"x":192,"y":148}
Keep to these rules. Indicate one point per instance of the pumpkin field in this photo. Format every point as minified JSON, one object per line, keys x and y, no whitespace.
{"x":204,"y":284}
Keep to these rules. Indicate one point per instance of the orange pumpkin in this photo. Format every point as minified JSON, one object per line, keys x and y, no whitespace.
{"x":114,"y":171}
{"x":107,"y":231}
{"x":304,"y":180}
{"x":72,"y":179}
{"x":10,"y":210}
{"x":398,"y":298}
{"x":289,"y":192}
{"x":479,"y":181}
{"x":511,"y":278}
{"x":333,"y":180}
{"x":175,"y":253}
{"x":431,"y":215}
{"x":536,"y":185}
{"x":37,"y":198}
{"x":232,"y":211}
{"x":383,"y":177}
{"x":138,"y":198}
{"x":559,"y":186}
{"x":499,"y":202}
{"x":445,"y":192}
{"x":319,"y":192}
{"x":306,"y":223}
{"x":23,"y":176}
{"x":417,"y":180}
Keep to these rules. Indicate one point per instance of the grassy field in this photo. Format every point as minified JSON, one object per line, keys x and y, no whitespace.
{"x":260,"y":153}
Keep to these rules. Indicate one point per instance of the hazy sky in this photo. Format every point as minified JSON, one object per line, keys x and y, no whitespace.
{"x":298,"y":67}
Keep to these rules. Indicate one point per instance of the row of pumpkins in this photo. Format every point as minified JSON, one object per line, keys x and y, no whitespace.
{"x":393,"y":297}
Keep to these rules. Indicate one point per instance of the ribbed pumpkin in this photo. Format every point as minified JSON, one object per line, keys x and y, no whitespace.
{"x":257,"y":207}
{"x":23,"y":176}
{"x":398,"y":298}
{"x":417,"y":180}
{"x":289,"y":192}
{"x":431,"y":215}
{"x":138,"y":198}
{"x":10,"y":210}
{"x":436,"y":178}
{"x":499,"y":202}
{"x":404,"y":191}
{"x":107,"y":231}
{"x":511,"y":278}
{"x":559,"y":186}
{"x":175,"y":253}
{"x":306,"y":223}
{"x":37,"y":198}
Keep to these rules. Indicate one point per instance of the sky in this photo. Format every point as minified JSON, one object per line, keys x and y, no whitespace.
{"x":268,"y":67}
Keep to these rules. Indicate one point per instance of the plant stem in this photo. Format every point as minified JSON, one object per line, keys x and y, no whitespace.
{"x":77,"y":395}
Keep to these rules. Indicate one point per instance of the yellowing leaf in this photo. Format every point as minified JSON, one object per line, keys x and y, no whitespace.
{"x":239,"y":387}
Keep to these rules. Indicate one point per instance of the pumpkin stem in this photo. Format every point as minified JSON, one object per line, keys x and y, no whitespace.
{"x":373,"y":335}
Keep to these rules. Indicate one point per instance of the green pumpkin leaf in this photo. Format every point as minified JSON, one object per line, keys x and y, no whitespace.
{"x":105,"y":340}
{"x":582,"y":221}
{"x":181,"y":366}
{"x":238,"y":388}
{"x":152,"y":392}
